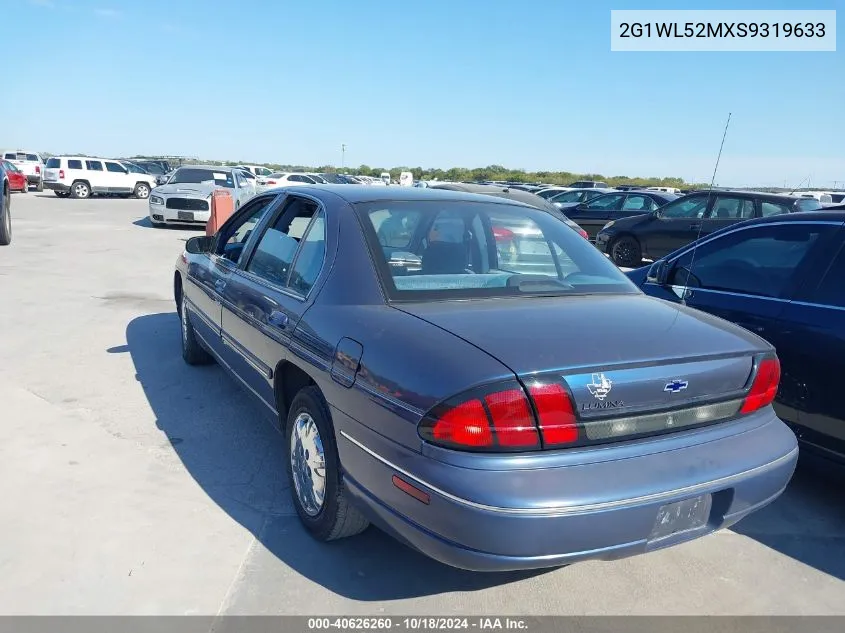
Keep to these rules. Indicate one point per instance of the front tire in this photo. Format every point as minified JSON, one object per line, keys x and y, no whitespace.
{"x":6,"y":221}
{"x":192,"y":352}
{"x":142,"y":191}
{"x":313,"y":468}
{"x":626,"y":252}
{"x":80,"y":190}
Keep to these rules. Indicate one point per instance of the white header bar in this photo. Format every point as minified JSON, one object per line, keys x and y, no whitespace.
{"x":735,"y":31}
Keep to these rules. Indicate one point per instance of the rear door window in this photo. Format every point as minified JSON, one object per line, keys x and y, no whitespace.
{"x":831,"y":290}
{"x":638,"y":202}
{"x":732,"y":208}
{"x":94,"y":165}
{"x":773,"y":208}
{"x":74,"y":164}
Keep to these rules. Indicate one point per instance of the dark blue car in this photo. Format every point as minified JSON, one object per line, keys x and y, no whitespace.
{"x":782,"y":278}
{"x":496,"y":405}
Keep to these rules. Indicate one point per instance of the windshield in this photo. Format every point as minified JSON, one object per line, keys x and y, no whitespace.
{"x":459,"y":250}
{"x":193,"y":175}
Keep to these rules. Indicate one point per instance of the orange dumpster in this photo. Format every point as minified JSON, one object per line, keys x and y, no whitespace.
{"x":222,"y":207}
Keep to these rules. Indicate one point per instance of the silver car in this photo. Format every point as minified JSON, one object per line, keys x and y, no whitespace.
{"x":186,"y":198}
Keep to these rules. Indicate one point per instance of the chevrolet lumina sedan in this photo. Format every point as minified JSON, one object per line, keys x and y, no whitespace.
{"x":486,"y":406}
{"x":186,"y":198}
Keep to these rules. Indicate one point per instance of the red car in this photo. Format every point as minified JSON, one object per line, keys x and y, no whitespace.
{"x":17,"y":179}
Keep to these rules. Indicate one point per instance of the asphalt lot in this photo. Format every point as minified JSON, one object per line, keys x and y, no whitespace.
{"x":134,"y":484}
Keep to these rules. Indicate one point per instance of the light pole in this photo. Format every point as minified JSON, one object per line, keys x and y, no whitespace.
{"x":342,"y":156}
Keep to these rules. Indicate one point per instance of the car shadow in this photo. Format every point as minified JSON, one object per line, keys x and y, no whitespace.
{"x":233,"y":450}
{"x":807,"y":523}
{"x":145,"y":222}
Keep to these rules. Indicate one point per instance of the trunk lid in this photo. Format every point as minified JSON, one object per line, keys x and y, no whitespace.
{"x":619,"y":354}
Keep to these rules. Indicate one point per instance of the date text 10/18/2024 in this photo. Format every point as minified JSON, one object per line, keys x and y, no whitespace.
{"x":417,"y":623}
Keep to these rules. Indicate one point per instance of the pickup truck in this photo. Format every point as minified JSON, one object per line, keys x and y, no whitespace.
{"x":30,"y":164}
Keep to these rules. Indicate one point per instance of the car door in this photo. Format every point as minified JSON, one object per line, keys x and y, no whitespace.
{"x":266,"y":297}
{"x":813,"y":357}
{"x":749,"y":276}
{"x":726,"y":210}
{"x":207,"y":274}
{"x":673,"y":226}
{"x":593,"y":215}
{"x":97,"y":176}
{"x":117,"y":177}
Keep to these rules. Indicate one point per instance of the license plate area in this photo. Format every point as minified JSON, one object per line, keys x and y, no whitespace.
{"x":681,"y":516}
{"x":185,"y":215}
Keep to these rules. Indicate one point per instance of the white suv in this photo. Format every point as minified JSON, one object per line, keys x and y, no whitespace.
{"x":29,"y":163}
{"x":84,"y":176}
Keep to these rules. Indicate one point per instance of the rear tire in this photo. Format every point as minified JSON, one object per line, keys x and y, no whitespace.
{"x":142,"y":191}
{"x":332,"y":517}
{"x":62,"y":194}
{"x":6,"y":220}
{"x":192,"y":352}
{"x":626,"y":252}
{"x":39,"y":187}
{"x":80,"y":190}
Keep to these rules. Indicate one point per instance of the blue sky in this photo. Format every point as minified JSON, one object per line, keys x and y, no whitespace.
{"x":442,"y":83}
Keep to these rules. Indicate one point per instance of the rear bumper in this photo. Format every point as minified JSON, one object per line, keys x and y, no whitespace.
{"x":33,"y":179}
{"x":56,"y":186}
{"x":602,"y":510}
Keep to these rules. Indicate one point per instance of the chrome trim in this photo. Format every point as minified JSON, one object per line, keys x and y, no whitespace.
{"x":268,"y":284}
{"x":235,"y":374}
{"x":810,"y":304}
{"x":304,"y":351}
{"x":244,"y":353}
{"x":585,"y":508}
{"x":727,"y":292}
{"x":383,"y":396}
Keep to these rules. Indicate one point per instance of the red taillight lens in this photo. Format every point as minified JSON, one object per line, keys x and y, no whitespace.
{"x":557,"y":415}
{"x":464,"y":425}
{"x":37,"y":169}
{"x":583,"y":234}
{"x":495,"y":418}
{"x":61,"y":173}
{"x":271,"y":182}
{"x":512,"y":418}
{"x":765,"y":386}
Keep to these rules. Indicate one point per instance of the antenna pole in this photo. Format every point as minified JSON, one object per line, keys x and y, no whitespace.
{"x":342,"y":156}
{"x":709,"y":193}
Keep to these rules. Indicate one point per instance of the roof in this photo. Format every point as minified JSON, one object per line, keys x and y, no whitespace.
{"x":747,"y":192}
{"x":363,"y":193}
{"x":219,"y":168}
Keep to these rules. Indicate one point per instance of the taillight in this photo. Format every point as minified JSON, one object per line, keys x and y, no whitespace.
{"x":270,"y":182}
{"x":496,"y":418}
{"x":37,"y":169}
{"x":764,"y":388}
{"x":502,"y":234}
{"x":557,"y":415}
{"x":61,"y":174}
{"x":583,"y":234}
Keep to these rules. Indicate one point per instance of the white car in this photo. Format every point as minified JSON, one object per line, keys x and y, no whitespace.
{"x":29,"y":163}
{"x":257,"y":170}
{"x":85,"y":176}
{"x":186,"y":198}
{"x":285,"y":179}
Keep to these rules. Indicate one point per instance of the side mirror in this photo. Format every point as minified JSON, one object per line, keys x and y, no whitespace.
{"x":658,"y":273}
{"x":200,"y":244}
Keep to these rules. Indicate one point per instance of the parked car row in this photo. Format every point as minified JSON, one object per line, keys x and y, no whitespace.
{"x":29,"y":163}
{"x":86,"y":176}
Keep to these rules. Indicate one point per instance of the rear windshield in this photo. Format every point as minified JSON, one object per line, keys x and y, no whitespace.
{"x":434,"y":250}
{"x":192,"y":175}
{"x":808,"y":204}
{"x":54,"y":162}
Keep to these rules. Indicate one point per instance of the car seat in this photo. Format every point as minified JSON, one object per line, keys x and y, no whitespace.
{"x":444,"y":258}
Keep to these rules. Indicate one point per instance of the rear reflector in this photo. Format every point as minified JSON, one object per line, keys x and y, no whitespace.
{"x":765,"y":386}
{"x":557,"y":415}
{"x":415,"y":492}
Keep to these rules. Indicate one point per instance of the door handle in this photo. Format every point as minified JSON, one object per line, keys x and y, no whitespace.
{"x":279,"y":319}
